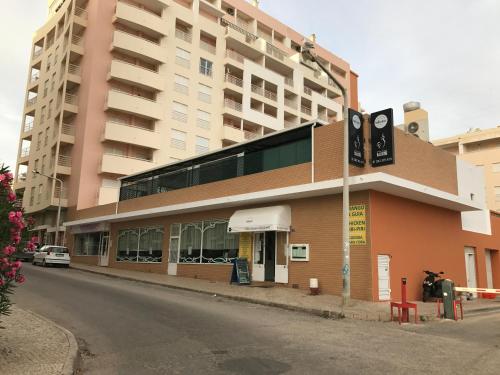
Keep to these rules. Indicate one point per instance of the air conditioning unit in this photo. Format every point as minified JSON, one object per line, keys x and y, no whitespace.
{"x":230,"y":11}
{"x":416,"y":121}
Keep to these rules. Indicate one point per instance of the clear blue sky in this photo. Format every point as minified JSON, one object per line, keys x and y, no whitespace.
{"x":445,"y":54}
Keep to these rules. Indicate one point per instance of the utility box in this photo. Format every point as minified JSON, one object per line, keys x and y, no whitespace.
{"x":448,"y":298}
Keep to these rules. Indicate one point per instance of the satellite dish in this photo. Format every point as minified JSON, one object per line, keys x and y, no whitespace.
{"x":412,"y":127}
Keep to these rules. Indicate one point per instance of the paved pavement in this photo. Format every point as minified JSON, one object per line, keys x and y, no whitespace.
{"x":31,"y":344}
{"x":284,"y":297}
{"x":127,"y":327}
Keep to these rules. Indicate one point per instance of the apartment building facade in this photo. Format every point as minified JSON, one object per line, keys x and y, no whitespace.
{"x":481,"y":148}
{"x":277,"y":201}
{"x":119,"y":86}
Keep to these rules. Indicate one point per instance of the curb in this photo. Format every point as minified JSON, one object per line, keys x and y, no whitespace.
{"x":71,"y":363}
{"x":328,"y":314}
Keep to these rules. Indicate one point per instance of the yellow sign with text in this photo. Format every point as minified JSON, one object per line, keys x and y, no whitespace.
{"x":357,"y":224}
{"x":246,"y":246}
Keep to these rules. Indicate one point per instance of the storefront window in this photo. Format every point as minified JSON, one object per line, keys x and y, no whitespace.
{"x":206,"y":242}
{"x":140,"y":245}
{"x":87,"y":243}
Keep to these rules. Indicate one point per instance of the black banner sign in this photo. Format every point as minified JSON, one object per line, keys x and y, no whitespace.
{"x":356,"y":139}
{"x":382,"y":137}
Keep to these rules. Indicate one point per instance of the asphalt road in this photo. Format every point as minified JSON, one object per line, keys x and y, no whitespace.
{"x":125,"y":327}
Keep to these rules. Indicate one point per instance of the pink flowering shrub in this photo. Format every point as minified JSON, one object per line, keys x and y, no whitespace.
{"x":13,"y":227}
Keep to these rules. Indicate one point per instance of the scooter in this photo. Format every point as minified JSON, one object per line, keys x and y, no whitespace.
{"x":432,"y":286}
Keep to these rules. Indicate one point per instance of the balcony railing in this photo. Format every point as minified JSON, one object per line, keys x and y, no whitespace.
{"x":37,"y":52}
{"x":64,"y":160}
{"x":131,"y":94}
{"x":25,"y":152}
{"x":234,"y":80}
{"x":117,"y":120}
{"x":74,"y":69}
{"x":306,"y":110}
{"x":207,"y":47}
{"x":263,"y":92}
{"x":80,"y":12}
{"x":183,"y":35}
{"x":155,"y":42}
{"x":307,"y":90}
{"x":230,"y":103}
{"x":275,"y":52}
{"x":77,"y":39}
{"x":68,"y":129}
{"x":71,"y":99}
{"x":235,"y":55}
{"x":28,"y":126}
{"x":251,"y":37}
{"x":250,"y":135}
{"x":63,"y":194}
{"x":31,"y":101}
{"x":34,"y":77}
{"x":135,"y":65}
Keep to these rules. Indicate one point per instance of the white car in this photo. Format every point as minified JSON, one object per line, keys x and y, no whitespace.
{"x":50,"y":254}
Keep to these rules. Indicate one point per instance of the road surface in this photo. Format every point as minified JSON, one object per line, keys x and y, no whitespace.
{"x":126,"y":327}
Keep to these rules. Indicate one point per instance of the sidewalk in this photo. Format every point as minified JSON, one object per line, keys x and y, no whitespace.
{"x":31,"y":344}
{"x":327,"y":306}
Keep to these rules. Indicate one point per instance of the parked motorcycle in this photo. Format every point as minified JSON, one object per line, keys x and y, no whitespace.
{"x":432,"y":286}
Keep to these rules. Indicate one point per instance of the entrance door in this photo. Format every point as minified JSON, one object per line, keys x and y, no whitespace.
{"x":103,"y":249}
{"x":281,"y":273}
{"x":173,"y":249}
{"x":384,"y":282}
{"x":270,"y":256}
{"x":470,"y":268}
{"x":489,"y":270}
{"x":258,"y":256}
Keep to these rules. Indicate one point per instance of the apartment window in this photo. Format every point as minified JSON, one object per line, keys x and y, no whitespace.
{"x":140,"y":245}
{"x":182,"y":57}
{"x":53,"y":82}
{"x":46,"y":137}
{"x":39,"y":141}
{"x":179,"y":112}
{"x":48,"y":62}
{"x":44,"y":159}
{"x":204,"y":242}
{"x":40,"y":192}
{"x":32,"y":196}
{"x":201,"y":145}
{"x":206,"y":67}
{"x":181,"y":84}
{"x":178,"y":139}
{"x":45,"y":88}
{"x":49,"y":112}
{"x":42,"y":114}
{"x":88,"y":243}
{"x":36,"y":164}
{"x":203,"y":119}
{"x":204,"y":93}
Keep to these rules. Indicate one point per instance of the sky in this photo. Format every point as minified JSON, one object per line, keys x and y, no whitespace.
{"x":445,"y":54}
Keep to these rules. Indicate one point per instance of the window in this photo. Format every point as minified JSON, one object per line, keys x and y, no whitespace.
{"x":45,"y":88}
{"x":88,"y":243}
{"x":44,"y":159}
{"x":46,"y":137}
{"x":204,"y":242}
{"x":182,"y":57}
{"x":299,"y":252}
{"x":206,"y":67}
{"x":203,"y":119}
{"x":181,"y":84}
{"x":36,"y":164}
{"x":40,"y":192}
{"x":179,"y":112}
{"x":32,"y":196}
{"x":204,"y":93}
{"x":201,"y":145}
{"x":178,"y":139}
{"x":140,"y":245}
{"x":49,"y":111}
{"x":42,"y":115}
{"x":53,"y":82}
{"x":48,"y":62}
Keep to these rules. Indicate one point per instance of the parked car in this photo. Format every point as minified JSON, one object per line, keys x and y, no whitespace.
{"x":24,"y":255}
{"x":50,"y":254}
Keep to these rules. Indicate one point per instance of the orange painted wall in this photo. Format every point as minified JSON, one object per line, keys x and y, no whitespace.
{"x":418,"y":236}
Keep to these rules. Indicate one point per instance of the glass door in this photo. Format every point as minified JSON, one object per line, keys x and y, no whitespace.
{"x":103,"y":249}
{"x":258,"y":256}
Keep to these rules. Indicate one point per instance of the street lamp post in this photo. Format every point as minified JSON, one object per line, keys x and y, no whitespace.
{"x":307,"y":54}
{"x":59,"y":203}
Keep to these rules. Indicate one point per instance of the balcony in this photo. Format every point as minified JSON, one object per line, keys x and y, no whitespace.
{"x":126,"y":133}
{"x":306,"y":110}
{"x":232,"y":133}
{"x":140,"y":18}
{"x":240,"y":34}
{"x":138,"y":47}
{"x":275,"y":52}
{"x":81,"y":12}
{"x":290,"y":103}
{"x":31,"y":101}
{"x":123,"y":165}
{"x":184,"y":35}
{"x":211,"y":9}
{"x":28,"y":126}
{"x":77,"y":43}
{"x":58,"y":193}
{"x":34,"y":79}
{"x":134,"y":104}
{"x":265,"y":93}
{"x":232,"y":104}
{"x":289,"y":81}
{"x":134,"y":74}
{"x":232,"y":54}
{"x":210,"y":48}
{"x":74,"y":69}
{"x":37,"y":53}
{"x":233,"y":80}
{"x":67,"y":133}
{"x":70,"y":103}
{"x":64,"y":163}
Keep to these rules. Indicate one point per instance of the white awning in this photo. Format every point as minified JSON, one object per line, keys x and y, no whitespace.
{"x":272,"y":218}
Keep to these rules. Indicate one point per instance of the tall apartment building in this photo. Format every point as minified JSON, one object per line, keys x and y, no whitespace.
{"x":120,"y":86}
{"x":481,"y":148}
